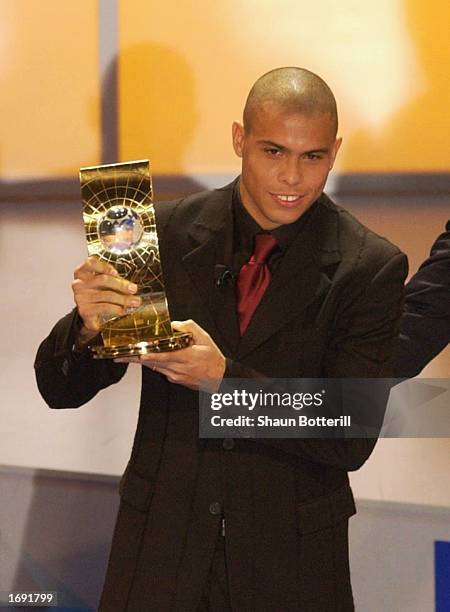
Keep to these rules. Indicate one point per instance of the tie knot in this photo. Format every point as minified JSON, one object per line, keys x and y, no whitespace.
{"x":264,"y":246}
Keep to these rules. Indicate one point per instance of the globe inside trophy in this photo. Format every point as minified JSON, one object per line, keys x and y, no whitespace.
{"x":119,"y":220}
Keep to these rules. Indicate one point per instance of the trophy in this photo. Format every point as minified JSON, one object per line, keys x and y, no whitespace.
{"x":119,"y":220}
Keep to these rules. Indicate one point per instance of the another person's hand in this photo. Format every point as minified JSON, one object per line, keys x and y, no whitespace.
{"x":100,"y":294}
{"x":201,"y":365}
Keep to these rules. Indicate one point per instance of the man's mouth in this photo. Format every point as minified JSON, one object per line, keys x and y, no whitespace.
{"x":286,"y":199}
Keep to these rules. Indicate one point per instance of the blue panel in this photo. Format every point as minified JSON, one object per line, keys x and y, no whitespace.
{"x":442,"y":575}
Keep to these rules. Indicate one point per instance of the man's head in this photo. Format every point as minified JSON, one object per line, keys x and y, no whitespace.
{"x":287,"y":143}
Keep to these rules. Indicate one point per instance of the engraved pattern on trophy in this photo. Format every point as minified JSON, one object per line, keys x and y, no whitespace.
{"x":120,"y":226}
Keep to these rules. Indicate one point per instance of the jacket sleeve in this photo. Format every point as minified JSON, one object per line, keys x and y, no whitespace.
{"x":360,"y":346}
{"x":425,"y":323}
{"x":66,"y":378}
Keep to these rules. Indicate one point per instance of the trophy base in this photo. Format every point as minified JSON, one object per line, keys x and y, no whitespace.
{"x":179,"y":340}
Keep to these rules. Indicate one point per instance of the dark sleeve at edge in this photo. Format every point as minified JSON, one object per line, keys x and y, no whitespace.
{"x":68,"y":378}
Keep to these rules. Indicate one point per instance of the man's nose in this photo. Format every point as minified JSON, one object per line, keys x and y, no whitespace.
{"x":290,"y":172}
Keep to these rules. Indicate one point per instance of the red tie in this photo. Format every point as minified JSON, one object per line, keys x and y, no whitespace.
{"x":254,"y":278}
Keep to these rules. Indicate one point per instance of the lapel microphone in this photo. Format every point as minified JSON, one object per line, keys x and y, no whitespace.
{"x":222,"y":275}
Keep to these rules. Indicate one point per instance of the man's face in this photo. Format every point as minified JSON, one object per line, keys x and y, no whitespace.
{"x":286,"y":158}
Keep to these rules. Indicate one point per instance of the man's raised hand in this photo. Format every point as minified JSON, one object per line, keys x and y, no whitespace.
{"x":100,"y":294}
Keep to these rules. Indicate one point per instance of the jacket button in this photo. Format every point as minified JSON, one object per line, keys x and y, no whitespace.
{"x":215,"y":508}
{"x":228,"y":443}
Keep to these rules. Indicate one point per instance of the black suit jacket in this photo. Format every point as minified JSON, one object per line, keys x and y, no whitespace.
{"x":331,"y":309}
{"x":425,"y":323}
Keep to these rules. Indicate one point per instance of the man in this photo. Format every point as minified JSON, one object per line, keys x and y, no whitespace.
{"x":425,"y":324}
{"x":330,"y":306}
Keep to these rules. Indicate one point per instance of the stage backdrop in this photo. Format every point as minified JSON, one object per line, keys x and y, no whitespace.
{"x":184,"y":69}
{"x":169,"y":78}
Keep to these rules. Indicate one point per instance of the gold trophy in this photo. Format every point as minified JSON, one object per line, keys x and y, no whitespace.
{"x":119,"y":220}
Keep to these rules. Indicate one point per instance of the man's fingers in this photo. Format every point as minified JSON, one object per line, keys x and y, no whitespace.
{"x":112,"y":297}
{"x":127,"y":360}
{"x":199,"y":335}
{"x":93,"y":265}
{"x":171,"y":358}
{"x":104,"y":282}
{"x":101,"y":275}
{"x":172,"y":373}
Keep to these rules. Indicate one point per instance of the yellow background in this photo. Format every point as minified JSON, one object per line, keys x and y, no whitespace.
{"x":185,"y":68}
{"x":49,"y":87}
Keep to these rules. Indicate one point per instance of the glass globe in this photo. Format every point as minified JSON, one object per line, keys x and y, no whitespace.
{"x":120,"y":229}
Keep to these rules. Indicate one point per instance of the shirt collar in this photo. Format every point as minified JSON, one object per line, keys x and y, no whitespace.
{"x":245,"y":227}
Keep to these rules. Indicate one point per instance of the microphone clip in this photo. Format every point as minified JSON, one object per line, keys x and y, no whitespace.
{"x":222,"y":275}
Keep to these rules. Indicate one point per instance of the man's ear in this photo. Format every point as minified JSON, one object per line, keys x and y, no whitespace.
{"x":336,"y":148}
{"x":238,"y":135}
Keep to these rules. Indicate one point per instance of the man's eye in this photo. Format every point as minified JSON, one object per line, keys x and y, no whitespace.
{"x":313,"y":156}
{"x":271,"y":151}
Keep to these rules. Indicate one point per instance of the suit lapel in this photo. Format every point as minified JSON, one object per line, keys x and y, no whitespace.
{"x":212,"y":238}
{"x":299,"y":280}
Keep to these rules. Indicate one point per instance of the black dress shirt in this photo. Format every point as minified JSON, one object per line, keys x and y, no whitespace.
{"x":245,"y":229}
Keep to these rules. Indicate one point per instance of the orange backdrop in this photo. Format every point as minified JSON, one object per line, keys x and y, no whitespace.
{"x":185,"y":68}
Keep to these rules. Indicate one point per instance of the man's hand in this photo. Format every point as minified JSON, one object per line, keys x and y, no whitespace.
{"x":200,"y":365}
{"x":100,"y":294}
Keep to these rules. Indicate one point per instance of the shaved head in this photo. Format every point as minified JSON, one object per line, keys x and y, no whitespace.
{"x":293,"y":90}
